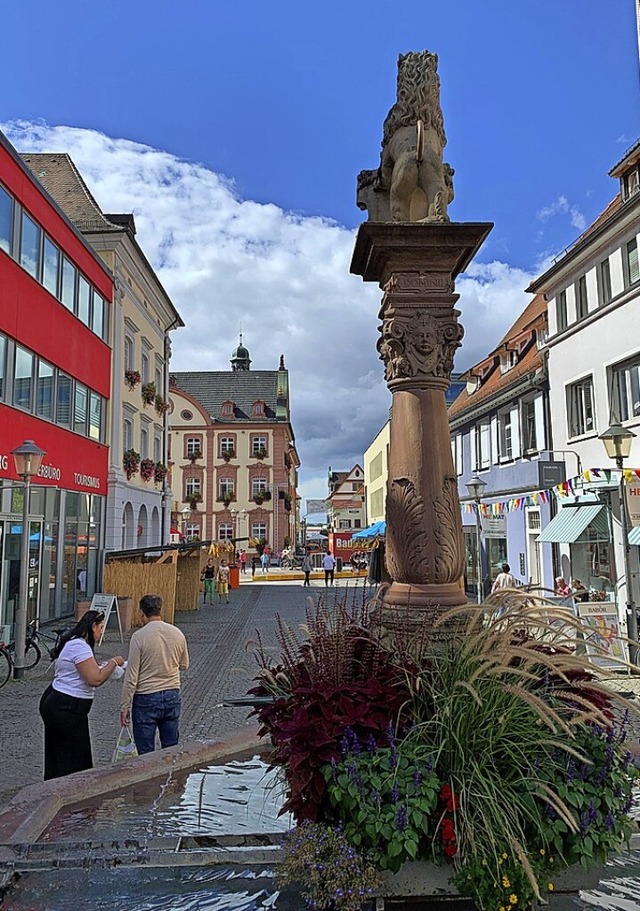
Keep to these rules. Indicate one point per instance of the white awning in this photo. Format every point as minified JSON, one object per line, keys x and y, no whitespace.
{"x":634,"y":535}
{"x":570,"y":523}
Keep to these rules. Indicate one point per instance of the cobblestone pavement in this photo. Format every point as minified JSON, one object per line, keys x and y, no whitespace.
{"x":221,"y":667}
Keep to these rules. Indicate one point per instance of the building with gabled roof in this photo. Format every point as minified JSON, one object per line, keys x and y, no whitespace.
{"x":500,"y":433}
{"x":233,"y":454}
{"x":141,"y":320}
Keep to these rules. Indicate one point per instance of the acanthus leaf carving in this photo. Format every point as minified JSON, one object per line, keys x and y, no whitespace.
{"x":449,"y":563}
{"x":408,"y":551}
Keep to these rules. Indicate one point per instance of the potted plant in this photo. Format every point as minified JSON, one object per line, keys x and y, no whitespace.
{"x":194,"y":499}
{"x":130,"y":463}
{"x":267,"y":495}
{"x":160,"y":472}
{"x":261,"y":453}
{"x":497,"y":754}
{"x":259,"y":497}
{"x":132,"y":378}
{"x":287,"y":501}
{"x":162,"y":406}
{"x":226,"y":497}
{"x":229,"y":454}
{"x":196,"y":454}
{"x":147,"y":469}
{"x":148,"y":393}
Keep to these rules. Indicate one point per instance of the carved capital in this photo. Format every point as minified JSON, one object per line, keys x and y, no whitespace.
{"x":416,"y":345}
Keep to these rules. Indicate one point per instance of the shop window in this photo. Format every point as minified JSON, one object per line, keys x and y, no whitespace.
{"x":68,"y":287}
{"x":6,"y":220}
{"x":44,"y":390}
{"x":23,"y":378}
{"x":30,"y":246}
{"x":84,"y":300}
{"x":80,"y":409}
{"x":259,"y":530}
{"x":580,"y":409}
{"x":225,"y":531}
{"x":63,"y":400}
{"x":561,"y":311}
{"x":604,"y":281}
{"x":631,"y":268}
{"x":50,"y":266}
{"x":625,"y":388}
{"x":582,"y":302}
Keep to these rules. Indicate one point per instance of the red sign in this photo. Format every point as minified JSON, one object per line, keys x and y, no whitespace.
{"x":341,"y":545}
{"x":72,"y":462}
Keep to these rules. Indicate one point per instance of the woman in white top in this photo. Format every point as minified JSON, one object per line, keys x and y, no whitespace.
{"x":66,"y":703}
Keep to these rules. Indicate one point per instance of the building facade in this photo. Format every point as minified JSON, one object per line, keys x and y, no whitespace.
{"x":55,"y":371}
{"x":234,"y":463}
{"x":140,"y":321}
{"x":500,"y":434}
{"x":376,"y":471}
{"x":593,"y":294}
{"x":346,"y":500}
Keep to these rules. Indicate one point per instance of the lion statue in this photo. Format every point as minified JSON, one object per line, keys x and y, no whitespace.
{"x":413,"y":183}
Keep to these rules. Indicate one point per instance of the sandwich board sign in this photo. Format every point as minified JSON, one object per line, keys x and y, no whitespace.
{"x":602,"y":634}
{"x":106,"y":604}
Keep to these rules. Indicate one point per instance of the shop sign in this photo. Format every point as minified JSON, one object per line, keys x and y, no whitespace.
{"x":633,"y":501}
{"x":494,"y":526}
{"x":602,"y":634}
{"x":314,"y":506}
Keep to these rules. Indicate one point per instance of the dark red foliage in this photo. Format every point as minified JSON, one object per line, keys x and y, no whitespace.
{"x":306,"y":729}
{"x":448,"y":803}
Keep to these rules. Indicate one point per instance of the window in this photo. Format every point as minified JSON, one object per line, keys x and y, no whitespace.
{"x":95,"y":416}
{"x":158,"y":375}
{"x":192,"y":487}
{"x":258,"y":445}
{"x":97,"y":320}
{"x":258,"y":409}
{"x":505,"y":443}
{"x":194,"y":445}
{"x":258,"y":486}
{"x":6,"y":220}
{"x":529,"y":440}
{"x":144,"y":443}
{"x":157,"y":448}
{"x":68,"y":289}
{"x":44,"y":390}
{"x":580,"y":407}
{"x":625,"y":389}
{"x":80,"y":409}
{"x":225,"y":531}
{"x":582,"y":304}
{"x":561,"y":311}
{"x":630,"y":183}
{"x":63,"y":400}
{"x":604,"y":275}
{"x":23,"y":378}
{"x":225,"y":487}
{"x":84,"y":300}
{"x":227,"y":444}
{"x":186,"y":415}
{"x":127,"y":433}
{"x":482,"y":446}
{"x":344,"y":524}
{"x":3,"y":358}
{"x":259,"y":530}
{"x":357,"y":523}
{"x":128,"y":353}
{"x":456,"y":452}
{"x":30,"y":246}
{"x":192,"y":531}
{"x":227,"y":410}
{"x":508,"y":360}
{"x":145,"y":367}
{"x":632,"y":272}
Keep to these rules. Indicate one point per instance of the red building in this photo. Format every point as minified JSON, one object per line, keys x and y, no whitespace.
{"x":55,"y":368}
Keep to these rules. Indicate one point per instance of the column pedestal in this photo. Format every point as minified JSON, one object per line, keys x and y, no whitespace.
{"x":415,"y":265}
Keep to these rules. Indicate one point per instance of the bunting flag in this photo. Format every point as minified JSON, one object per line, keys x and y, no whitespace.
{"x":570,"y":487}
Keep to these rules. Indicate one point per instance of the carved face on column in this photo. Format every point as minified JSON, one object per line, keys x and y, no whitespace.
{"x":418,"y":344}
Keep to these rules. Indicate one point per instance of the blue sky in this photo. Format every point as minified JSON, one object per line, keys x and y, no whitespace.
{"x":278,"y":105}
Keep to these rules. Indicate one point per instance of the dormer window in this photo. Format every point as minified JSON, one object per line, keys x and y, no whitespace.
{"x":630,"y":183}
{"x":508,"y":360}
{"x":227,"y":410}
{"x":258,"y":409}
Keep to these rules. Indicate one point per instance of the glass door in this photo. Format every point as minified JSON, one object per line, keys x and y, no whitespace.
{"x":10,"y":542}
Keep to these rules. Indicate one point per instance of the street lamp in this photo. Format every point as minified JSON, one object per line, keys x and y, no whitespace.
{"x":617,"y":442}
{"x":476,"y":486}
{"x":27,"y":460}
{"x":186,"y":512}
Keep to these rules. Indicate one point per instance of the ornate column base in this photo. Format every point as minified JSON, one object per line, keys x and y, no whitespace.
{"x":409,"y":613}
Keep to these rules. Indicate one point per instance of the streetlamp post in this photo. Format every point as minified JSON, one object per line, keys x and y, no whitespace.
{"x":27,"y":459}
{"x":617,"y":442}
{"x":476,"y":486}
{"x":186,"y":512}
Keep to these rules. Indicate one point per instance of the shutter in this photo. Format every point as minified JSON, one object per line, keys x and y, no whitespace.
{"x":459,"y":463}
{"x":495,"y":449}
{"x":515,"y":432}
{"x":472,"y":446}
{"x":541,"y":437}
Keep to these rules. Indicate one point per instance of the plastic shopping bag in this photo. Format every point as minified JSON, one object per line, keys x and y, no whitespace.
{"x":125,"y":745}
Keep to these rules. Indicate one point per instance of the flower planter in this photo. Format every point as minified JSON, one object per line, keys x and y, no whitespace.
{"x":81,"y":608}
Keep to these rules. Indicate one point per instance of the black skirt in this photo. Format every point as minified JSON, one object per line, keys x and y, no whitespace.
{"x":67,"y":747}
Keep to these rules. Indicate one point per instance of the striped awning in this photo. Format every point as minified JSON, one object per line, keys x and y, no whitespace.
{"x":634,"y":535}
{"x":571,"y":522}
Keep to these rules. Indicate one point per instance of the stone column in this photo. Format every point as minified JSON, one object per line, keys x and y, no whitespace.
{"x":415,"y":265}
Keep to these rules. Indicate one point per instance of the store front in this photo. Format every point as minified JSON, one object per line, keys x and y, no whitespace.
{"x":66,"y":520}
{"x":585,"y":526}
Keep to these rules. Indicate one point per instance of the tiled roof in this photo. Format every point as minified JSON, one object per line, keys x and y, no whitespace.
{"x":213,"y":388}
{"x":533,"y":316}
{"x":61,"y":179}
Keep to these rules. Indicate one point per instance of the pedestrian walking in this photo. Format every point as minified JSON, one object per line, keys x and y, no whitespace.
{"x":67,"y":701}
{"x":264,"y":562}
{"x":208,"y":576}
{"x":151,"y":690}
{"x":222,"y":581}
{"x":328,"y":564}
{"x":504,"y":579}
{"x":307,"y":566}
{"x":254,"y":565}
{"x":243,"y":561}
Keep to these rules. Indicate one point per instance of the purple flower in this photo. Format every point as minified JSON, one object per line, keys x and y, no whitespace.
{"x":395,"y":794}
{"x":372,"y":746}
{"x":609,"y":822}
{"x":401,"y":818}
{"x":417,"y":778}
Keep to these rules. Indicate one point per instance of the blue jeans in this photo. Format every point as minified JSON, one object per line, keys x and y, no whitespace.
{"x":151,"y":711}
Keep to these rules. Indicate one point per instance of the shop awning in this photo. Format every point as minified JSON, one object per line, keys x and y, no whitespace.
{"x":569,"y":524}
{"x":378,"y":528}
{"x":634,"y":535}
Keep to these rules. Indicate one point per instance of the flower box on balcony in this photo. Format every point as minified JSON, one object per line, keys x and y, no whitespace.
{"x":160,"y":472}
{"x":148,"y":393}
{"x":162,"y":406}
{"x":147,"y":469}
{"x":193,"y":456}
{"x":228,"y":454}
{"x":132,"y":378}
{"x":130,"y":463}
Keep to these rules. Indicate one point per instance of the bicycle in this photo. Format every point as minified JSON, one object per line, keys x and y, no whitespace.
{"x":32,"y":650}
{"x":6,"y":664}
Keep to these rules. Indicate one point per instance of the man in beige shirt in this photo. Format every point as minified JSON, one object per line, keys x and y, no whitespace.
{"x":151,"y":690}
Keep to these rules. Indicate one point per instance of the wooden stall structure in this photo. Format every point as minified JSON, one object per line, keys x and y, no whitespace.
{"x":133,"y":580}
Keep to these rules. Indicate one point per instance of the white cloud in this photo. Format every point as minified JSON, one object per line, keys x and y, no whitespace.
{"x":561,"y":206}
{"x":284,"y":277}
